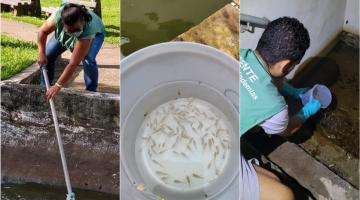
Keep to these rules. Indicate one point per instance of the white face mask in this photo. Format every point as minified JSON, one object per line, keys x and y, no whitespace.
{"x":74,"y":34}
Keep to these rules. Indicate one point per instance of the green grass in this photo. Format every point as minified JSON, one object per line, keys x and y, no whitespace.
{"x":16,"y":55}
{"x":110,"y":16}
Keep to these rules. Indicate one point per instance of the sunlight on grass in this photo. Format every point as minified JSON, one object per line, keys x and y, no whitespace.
{"x":16,"y":55}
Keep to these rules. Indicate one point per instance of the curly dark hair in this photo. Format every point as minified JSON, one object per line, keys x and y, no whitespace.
{"x":283,"y":38}
{"x":73,"y":12}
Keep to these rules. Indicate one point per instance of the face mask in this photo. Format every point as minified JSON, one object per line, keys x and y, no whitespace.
{"x":75,"y":34}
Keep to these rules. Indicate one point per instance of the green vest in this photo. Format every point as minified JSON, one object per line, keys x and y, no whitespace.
{"x":90,"y":28}
{"x":259,"y":97}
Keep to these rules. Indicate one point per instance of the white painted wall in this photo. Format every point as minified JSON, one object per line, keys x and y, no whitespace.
{"x":352,"y":16}
{"x":324,"y":20}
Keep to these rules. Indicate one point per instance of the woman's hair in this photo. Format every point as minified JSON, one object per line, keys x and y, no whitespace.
{"x":283,"y":38}
{"x":73,"y":12}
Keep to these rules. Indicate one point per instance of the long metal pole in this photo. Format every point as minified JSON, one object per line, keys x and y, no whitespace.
{"x":70,"y":195}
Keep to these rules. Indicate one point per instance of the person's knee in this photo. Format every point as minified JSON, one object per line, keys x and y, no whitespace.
{"x":272,"y":189}
{"x":285,"y":193}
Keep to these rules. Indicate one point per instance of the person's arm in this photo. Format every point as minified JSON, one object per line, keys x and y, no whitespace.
{"x":46,"y":28}
{"x":280,"y":124}
{"x":81,"y":48}
{"x":288,"y":90}
{"x":294,"y":125}
{"x":296,"y":121}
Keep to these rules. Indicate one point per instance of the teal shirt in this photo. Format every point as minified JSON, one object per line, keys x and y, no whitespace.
{"x":259,"y":97}
{"x":90,"y":28}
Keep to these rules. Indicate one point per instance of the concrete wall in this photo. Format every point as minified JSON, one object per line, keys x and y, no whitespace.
{"x":351,"y":22}
{"x":323,"y":18}
{"x":89,"y":124}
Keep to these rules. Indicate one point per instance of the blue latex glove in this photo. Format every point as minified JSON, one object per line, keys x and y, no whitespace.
{"x":309,"y":109}
{"x":289,"y":90}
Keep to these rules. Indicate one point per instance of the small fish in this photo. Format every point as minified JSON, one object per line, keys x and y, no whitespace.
{"x":176,"y":142}
{"x":205,"y":115}
{"x":163,"y":119}
{"x":225,"y":140}
{"x":145,"y":138}
{"x":191,"y":139}
{"x":207,"y":129}
{"x":209,"y":165}
{"x":161,"y":173}
{"x":200,"y":125}
{"x":168,"y":127}
{"x":178,"y":181}
{"x":197,"y":176}
{"x":156,"y":162}
{"x":222,"y":145}
{"x":217,"y":171}
{"x":184,"y":135}
{"x":194,"y":130}
{"x":163,"y":151}
{"x":188,"y":147}
{"x":217,"y":132}
{"x":205,"y":146}
{"x":183,"y":154}
{"x":155,"y":121}
{"x":188,"y":179}
{"x":216,"y":122}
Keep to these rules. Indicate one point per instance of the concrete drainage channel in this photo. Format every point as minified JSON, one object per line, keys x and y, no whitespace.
{"x":89,"y":124}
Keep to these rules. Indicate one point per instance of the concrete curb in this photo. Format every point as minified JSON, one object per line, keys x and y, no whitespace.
{"x":322,"y":182}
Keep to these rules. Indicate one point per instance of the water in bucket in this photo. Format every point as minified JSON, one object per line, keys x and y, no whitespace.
{"x":185,"y":143}
{"x":319,"y":92}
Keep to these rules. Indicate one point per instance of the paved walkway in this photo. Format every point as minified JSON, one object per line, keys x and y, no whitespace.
{"x":108,"y":58}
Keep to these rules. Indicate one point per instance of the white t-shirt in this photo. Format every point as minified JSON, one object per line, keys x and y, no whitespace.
{"x":276,"y":123}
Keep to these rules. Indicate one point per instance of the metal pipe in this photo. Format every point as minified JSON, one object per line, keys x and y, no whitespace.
{"x":253,"y":21}
{"x":70,"y":195}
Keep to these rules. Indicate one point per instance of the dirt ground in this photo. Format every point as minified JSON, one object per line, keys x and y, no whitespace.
{"x":335,"y":140}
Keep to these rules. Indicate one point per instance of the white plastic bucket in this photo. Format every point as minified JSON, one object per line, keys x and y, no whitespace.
{"x":153,"y":76}
{"x":319,"y":92}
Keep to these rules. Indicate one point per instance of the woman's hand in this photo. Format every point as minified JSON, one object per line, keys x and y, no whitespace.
{"x":42,"y":60}
{"x":52,"y":91}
